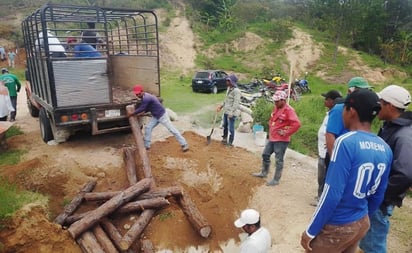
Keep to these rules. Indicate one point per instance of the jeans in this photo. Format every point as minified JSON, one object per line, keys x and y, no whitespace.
{"x":165,"y":121}
{"x":279,"y":148}
{"x":375,"y":240}
{"x":229,"y":126}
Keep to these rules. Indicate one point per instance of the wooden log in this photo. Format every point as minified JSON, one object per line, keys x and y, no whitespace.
{"x":104,"y":240}
{"x":199,"y":223}
{"x":147,"y":246}
{"x":108,"y":207}
{"x":129,"y":159}
{"x":137,"y":228}
{"x":88,"y":243}
{"x":139,"y":205}
{"x":137,"y":134}
{"x":111,"y":231}
{"x":74,"y":204}
{"x":153,"y":193}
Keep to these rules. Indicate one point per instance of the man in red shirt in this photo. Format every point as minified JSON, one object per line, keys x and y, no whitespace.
{"x":282,"y":124}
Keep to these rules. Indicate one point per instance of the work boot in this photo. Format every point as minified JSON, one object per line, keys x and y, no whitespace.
{"x":264,"y":172}
{"x":273,"y":182}
{"x":259,"y":174}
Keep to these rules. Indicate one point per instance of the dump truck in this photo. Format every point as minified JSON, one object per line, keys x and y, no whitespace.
{"x":82,"y":64}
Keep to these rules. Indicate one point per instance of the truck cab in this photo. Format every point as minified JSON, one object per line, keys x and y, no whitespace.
{"x":82,"y":63}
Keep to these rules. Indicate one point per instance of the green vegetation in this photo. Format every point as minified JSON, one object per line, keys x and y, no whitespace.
{"x":13,"y":199}
{"x":10,"y":157}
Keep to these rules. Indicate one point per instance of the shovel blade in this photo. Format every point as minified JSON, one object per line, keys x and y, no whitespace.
{"x":209,"y":139}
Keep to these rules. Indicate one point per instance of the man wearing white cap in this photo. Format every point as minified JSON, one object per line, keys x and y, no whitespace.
{"x":258,"y":240}
{"x":397,"y":132}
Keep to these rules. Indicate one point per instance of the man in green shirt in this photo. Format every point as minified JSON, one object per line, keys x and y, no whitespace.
{"x":13,"y":85}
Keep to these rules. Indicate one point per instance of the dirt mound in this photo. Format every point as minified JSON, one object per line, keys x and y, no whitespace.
{"x":216,"y":178}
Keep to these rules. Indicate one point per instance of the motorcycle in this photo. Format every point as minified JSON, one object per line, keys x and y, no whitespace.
{"x":280,"y":84}
{"x":303,"y":85}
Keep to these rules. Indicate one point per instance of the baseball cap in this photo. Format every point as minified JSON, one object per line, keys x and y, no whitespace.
{"x":247,"y":217}
{"x":233,"y":79}
{"x":365,"y":102}
{"x":137,"y":89}
{"x":71,"y":39}
{"x":396,"y":95}
{"x":333,"y":94}
{"x":279,"y":95}
{"x":358,"y":82}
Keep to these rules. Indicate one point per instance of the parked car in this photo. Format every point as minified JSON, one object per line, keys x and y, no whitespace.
{"x":209,"y":81}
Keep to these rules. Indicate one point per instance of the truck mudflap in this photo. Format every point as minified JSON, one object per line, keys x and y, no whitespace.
{"x":109,"y":121}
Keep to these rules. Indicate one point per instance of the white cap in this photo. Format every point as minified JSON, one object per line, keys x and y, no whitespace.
{"x":396,"y":95}
{"x":247,"y":217}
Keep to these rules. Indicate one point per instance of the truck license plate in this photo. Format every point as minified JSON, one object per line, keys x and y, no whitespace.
{"x":112,"y":113}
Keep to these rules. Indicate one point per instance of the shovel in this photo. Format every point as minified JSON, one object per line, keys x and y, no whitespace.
{"x":209,"y":137}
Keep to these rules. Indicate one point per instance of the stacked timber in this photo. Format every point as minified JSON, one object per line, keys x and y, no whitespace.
{"x":95,"y":230}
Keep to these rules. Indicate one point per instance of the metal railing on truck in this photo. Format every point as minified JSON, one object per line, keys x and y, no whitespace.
{"x":123,"y":50}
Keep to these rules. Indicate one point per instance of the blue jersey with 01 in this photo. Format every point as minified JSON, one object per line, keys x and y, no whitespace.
{"x":355,"y":182}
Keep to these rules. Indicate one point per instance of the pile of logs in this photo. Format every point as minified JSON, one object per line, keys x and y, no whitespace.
{"x":94,"y":230}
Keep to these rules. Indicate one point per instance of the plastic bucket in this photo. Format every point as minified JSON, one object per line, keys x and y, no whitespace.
{"x":260,"y":138}
{"x":257,"y":128}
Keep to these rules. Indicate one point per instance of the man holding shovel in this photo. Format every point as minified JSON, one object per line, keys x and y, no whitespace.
{"x":231,"y":109}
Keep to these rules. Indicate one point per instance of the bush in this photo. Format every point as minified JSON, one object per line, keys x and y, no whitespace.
{"x":261,"y":112}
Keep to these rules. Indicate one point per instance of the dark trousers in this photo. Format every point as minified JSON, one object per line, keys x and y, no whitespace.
{"x":14,"y":104}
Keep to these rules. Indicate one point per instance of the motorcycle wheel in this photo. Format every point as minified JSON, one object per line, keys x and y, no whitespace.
{"x":297,"y":90}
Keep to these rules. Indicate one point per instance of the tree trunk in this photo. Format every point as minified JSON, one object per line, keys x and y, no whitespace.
{"x":136,"y":230}
{"x":74,"y":204}
{"x":112,"y":232}
{"x":137,"y":134}
{"x":199,"y":223}
{"x":129,"y":159}
{"x":153,"y":193}
{"x":104,"y":240}
{"x":89,"y":243}
{"x":139,"y":205}
{"x":108,"y":207}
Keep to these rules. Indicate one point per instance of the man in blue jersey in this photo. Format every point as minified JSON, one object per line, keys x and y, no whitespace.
{"x":397,"y":132}
{"x":150,"y":103}
{"x":335,"y":127}
{"x":355,"y":183}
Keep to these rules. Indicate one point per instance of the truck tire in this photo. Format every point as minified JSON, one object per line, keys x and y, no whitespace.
{"x":45,"y":127}
{"x":34,"y":112}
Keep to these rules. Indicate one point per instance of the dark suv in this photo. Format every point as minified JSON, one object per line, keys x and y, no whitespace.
{"x":209,"y":81}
